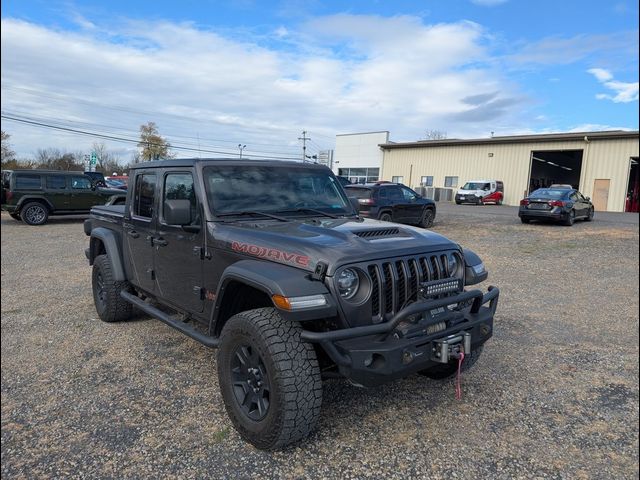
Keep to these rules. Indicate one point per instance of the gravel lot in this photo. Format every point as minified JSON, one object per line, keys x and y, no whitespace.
{"x":555,"y":394}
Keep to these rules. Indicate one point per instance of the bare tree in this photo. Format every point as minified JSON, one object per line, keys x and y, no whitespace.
{"x":435,"y":135}
{"x":8,"y":159}
{"x":153,"y":146}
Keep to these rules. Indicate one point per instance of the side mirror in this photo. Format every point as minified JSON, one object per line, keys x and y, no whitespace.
{"x":177,"y":212}
{"x":355,"y":204}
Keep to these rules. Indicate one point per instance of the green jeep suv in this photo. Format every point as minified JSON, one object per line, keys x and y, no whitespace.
{"x":33,"y":195}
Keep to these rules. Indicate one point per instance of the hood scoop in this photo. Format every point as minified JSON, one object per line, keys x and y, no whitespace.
{"x":378,"y":233}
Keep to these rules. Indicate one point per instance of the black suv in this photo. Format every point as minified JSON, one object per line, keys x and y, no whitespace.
{"x":33,"y":195}
{"x":393,"y":202}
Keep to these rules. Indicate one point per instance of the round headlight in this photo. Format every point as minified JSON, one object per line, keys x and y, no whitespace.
{"x":348,"y":282}
{"x":455,"y":265}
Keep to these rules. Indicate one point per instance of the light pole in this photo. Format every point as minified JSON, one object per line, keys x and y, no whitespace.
{"x":241,"y":148}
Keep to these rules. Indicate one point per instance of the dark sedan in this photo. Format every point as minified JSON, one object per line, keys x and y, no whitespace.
{"x":563,"y":205}
{"x":393,"y":202}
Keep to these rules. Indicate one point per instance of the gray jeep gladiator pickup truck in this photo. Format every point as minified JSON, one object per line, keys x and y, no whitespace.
{"x":269,"y":262}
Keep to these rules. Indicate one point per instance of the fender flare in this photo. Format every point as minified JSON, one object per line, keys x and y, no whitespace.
{"x":112,"y":246}
{"x":36,"y":198}
{"x":275,"y":279}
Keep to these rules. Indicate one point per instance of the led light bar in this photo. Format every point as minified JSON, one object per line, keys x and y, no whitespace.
{"x":440,"y":287}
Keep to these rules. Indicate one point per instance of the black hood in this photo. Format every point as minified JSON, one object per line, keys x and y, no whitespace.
{"x":336,"y":242}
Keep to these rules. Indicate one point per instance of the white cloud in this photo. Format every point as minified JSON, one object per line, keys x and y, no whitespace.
{"x":624,"y":92}
{"x":335,"y":74}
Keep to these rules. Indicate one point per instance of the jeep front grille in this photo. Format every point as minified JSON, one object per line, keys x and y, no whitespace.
{"x":394,"y":284}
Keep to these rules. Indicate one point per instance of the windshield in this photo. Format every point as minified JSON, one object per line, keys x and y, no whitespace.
{"x":256,"y":188}
{"x":475,"y":186}
{"x":549,"y":193}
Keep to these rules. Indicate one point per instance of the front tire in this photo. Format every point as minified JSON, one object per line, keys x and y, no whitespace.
{"x":111,"y":307}
{"x":448,"y":370}
{"x":34,"y":213}
{"x":269,"y":379}
{"x":427,"y":218}
{"x":590,"y":216}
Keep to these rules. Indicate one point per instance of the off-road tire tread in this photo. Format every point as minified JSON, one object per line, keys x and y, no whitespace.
{"x":117,"y":308}
{"x":297,"y":373}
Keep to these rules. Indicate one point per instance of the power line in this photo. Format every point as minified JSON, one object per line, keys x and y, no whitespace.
{"x":129,"y":140}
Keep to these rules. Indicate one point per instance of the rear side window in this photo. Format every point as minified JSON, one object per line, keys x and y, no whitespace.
{"x":56,"y":182}
{"x":358,"y":192}
{"x":144,"y":195}
{"x":25,"y":181}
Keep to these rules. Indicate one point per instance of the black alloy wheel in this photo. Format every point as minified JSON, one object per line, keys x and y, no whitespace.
{"x":427,"y":218}
{"x":386,"y":217}
{"x":571,"y":218}
{"x":590,"y":215}
{"x":251,"y":386}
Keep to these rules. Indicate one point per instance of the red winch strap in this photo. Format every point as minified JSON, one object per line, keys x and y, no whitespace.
{"x":458,"y":377}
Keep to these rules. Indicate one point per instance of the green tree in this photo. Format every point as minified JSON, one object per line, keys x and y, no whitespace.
{"x":152,"y":145}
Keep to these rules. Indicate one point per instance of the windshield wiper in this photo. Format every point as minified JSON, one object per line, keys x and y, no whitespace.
{"x":312,"y":210}
{"x":232,"y":214}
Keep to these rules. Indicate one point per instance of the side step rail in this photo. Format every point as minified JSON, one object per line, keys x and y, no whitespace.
{"x":185,"y":328}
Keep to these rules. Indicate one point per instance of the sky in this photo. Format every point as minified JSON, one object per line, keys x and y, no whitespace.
{"x":219,"y":78}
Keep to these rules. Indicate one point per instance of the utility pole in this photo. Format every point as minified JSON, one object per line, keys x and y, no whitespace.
{"x":304,"y":139}
{"x":241,"y":148}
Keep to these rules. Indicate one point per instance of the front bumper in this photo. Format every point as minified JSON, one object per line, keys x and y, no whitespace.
{"x":467,"y":198}
{"x":374,"y":354}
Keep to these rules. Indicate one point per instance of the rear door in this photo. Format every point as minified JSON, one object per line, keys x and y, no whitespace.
{"x":58,"y":191}
{"x":397,"y":202}
{"x":139,"y":226}
{"x":178,"y":250}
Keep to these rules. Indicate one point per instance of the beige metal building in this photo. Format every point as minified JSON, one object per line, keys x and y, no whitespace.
{"x":602,"y":165}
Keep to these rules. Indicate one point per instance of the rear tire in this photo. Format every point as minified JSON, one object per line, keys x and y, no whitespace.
{"x":386,"y":217}
{"x":111,"y":307}
{"x":571,"y":218}
{"x":499,"y":202}
{"x":448,"y":370}
{"x":34,"y":213}
{"x":269,"y":379}
{"x":427,"y":218}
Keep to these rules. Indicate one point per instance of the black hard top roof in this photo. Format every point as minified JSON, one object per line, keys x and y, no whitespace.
{"x":190,"y":162}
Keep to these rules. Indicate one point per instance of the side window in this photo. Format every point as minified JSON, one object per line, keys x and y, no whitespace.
{"x":179,"y":186}
{"x":450,"y":181}
{"x":56,"y":182}
{"x":573,"y":196}
{"x":144,"y":195}
{"x":28,"y":182}
{"x":408,"y":194}
{"x":382,"y":193}
{"x":80,"y":183}
{"x":395,"y":194}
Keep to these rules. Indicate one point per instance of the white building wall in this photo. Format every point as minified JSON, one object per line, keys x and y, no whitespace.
{"x":359,"y":150}
{"x":602,"y":159}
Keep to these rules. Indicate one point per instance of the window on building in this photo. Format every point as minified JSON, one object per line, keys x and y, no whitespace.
{"x":360,"y":175}
{"x":144,"y":195}
{"x":426,"y":181}
{"x":398,"y":179}
{"x":450,"y":181}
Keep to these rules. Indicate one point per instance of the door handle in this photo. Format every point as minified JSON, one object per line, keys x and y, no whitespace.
{"x":161,"y":242}
{"x":133,"y":234}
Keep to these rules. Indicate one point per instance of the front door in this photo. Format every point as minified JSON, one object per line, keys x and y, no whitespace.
{"x":139,"y":228}
{"x":412,"y":206}
{"x":177,"y":249}
{"x":83,"y":194}
{"x":601,"y":194}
